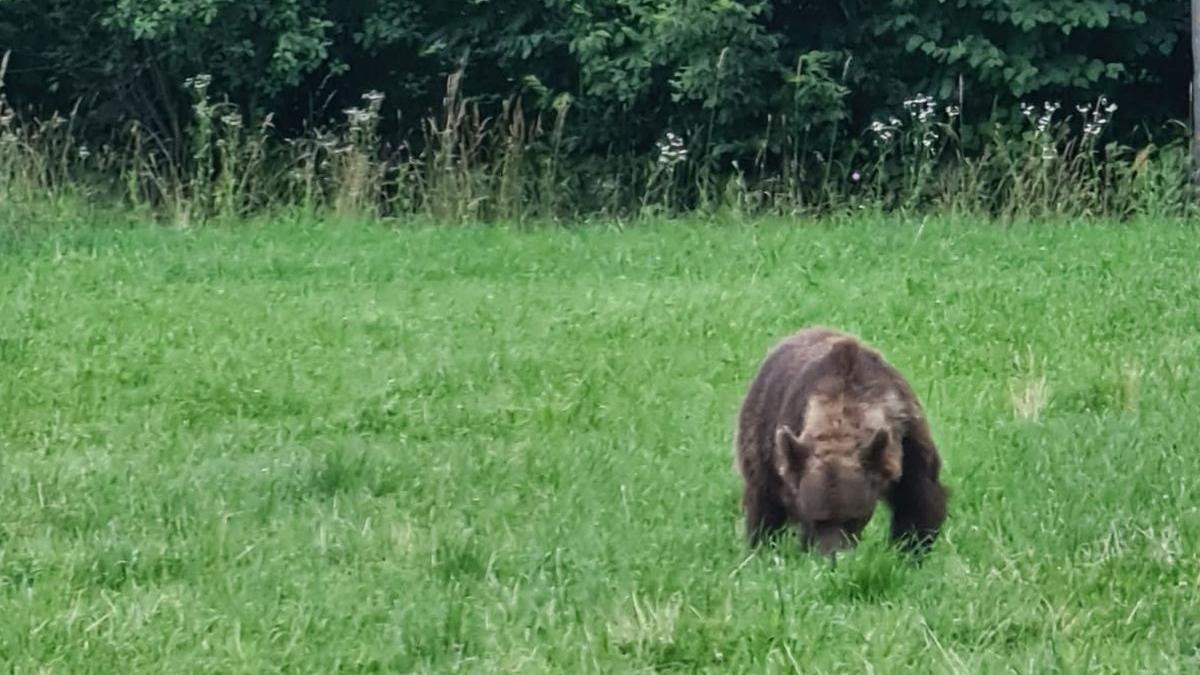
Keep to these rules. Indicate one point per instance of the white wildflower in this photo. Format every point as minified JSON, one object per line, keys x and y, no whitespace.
{"x":921,"y":107}
{"x":672,"y":150}
{"x":1043,"y":122}
{"x":884,"y":132}
{"x":359,"y":117}
{"x":1096,"y":118}
{"x":200,"y":83}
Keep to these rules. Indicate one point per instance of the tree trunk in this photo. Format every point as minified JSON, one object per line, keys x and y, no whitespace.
{"x":1196,"y":91}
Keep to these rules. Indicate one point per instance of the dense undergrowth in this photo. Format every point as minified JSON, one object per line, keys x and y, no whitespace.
{"x":466,"y":167}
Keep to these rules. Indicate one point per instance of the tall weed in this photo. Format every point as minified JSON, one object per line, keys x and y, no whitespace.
{"x":518,"y":165}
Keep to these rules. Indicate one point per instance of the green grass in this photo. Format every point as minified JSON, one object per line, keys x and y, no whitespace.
{"x":320,"y":449}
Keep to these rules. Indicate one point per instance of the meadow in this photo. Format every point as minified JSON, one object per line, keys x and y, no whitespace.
{"x":307,"y":447}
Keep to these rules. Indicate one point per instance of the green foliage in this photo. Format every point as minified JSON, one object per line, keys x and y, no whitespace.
{"x":685,"y":65}
{"x":1034,"y":48}
{"x":634,"y":68}
{"x":260,"y":46}
{"x":512,"y":108}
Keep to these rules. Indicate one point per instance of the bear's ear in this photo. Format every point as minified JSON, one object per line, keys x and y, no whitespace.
{"x":791,"y":453}
{"x":878,"y":460}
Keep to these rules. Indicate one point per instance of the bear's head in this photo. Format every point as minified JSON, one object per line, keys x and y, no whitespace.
{"x":831,"y":483}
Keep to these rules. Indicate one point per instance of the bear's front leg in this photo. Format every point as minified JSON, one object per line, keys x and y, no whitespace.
{"x":764,"y":514}
{"x":918,"y":500}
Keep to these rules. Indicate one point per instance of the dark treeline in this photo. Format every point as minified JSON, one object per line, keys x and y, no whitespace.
{"x":632,"y":68}
{"x":739,"y":81}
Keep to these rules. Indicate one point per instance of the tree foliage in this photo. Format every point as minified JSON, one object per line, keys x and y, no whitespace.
{"x":631,"y":69}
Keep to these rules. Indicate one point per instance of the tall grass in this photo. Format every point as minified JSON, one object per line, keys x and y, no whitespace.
{"x":335,"y":449}
{"x":517,"y":165}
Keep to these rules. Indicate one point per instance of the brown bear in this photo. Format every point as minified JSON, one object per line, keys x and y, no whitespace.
{"x":827,"y":430}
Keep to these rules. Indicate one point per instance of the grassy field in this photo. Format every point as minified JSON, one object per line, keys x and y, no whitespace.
{"x":347,"y":449}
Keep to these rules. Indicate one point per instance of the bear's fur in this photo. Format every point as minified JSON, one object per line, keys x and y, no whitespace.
{"x":828,"y":429}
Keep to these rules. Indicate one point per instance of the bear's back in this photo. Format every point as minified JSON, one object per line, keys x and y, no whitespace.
{"x":816,"y":361}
